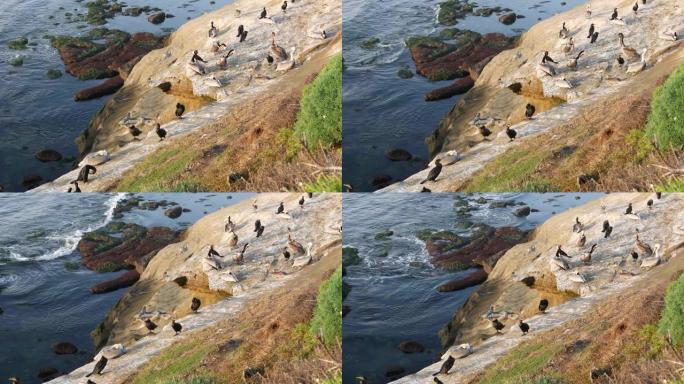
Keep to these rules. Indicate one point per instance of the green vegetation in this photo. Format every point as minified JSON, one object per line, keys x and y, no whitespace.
{"x":18,"y":44}
{"x":384,"y":235}
{"x":335,"y":380}
{"x":327,"y":321}
{"x":674,"y":185}
{"x":72,"y":266}
{"x":17,"y":61}
{"x":671,"y":324}
{"x":54,"y":74}
{"x":319,"y":121}
{"x":109,"y":266}
{"x":510,"y":172}
{"x":174,"y":363}
{"x":198,"y":379}
{"x":165,"y":168}
{"x":666,"y":120}
{"x":324,"y":183}
{"x":523,"y":365}
{"x":370,"y":43}
{"x":452,"y":10}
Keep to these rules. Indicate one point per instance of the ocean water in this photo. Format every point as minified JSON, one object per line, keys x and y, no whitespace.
{"x":394,"y":298}
{"x":43,"y":302}
{"x":382,"y":111}
{"x":37,"y":113}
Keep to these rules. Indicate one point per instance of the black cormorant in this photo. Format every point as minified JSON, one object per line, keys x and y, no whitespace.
{"x":161,"y":132}
{"x":434,"y":172}
{"x":176,"y":326}
{"x":628,"y":211}
{"x":180,"y":109}
{"x":543,"y":304}
{"x":99,"y":367}
{"x":529,"y":110}
{"x":446,"y":366}
{"x":524,"y":327}
{"x":498,"y":326}
{"x":511,"y":133}
{"x":196,"y":303}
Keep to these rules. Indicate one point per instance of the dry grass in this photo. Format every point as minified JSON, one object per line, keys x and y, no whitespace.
{"x":268,"y":333}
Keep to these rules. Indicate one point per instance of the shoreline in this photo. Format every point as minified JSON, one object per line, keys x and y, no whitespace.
{"x":141,"y":96}
{"x":597,"y":78}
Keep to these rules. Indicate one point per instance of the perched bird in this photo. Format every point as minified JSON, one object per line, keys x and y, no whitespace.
{"x":543,"y":304}
{"x":286,"y":254}
{"x":498,"y":326}
{"x":180,"y":109}
{"x":161,"y":132}
{"x":614,"y":16}
{"x":281,"y":208}
{"x":263,"y":14}
{"x":578,"y":226}
{"x":606,"y":225}
{"x":240,"y":29}
{"x":233,"y":240}
{"x":642,"y":247}
{"x":620,"y":61}
{"x":212,"y":252}
{"x":560,"y":252}
{"x":230,"y":225}
{"x":573,"y":62}
{"x":295,"y":246}
{"x":301,"y":202}
{"x":659,"y":195}
{"x":564,"y":32}
{"x":592,"y":28}
{"x":511,"y":133}
{"x":635,"y":256}
{"x":484,"y":131}
{"x":434,"y":172}
{"x":635,"y":8}
{"x":284,"y":6}
{"x":649,"y":203}
{"x":260,"y":231}
{"x":150,"y":325}
{"x":257,"y":225}
{"x":586,"y":257}
{"x":529,"y":110}
{"x":524,"y":327}
{"x":446,"y":366}
{"x":99,"y":367}
{"x":77,"y":189}
{"x":241,"y":255}
{"x":581,"y":240}
{"x":196,"y":303}
{"x":568,"y":47}
{"x":594,"y":37}
{"x":213,"y":31}
{"x":628,"y":211}
{"x":134,"y":131}
{"x":629,"y":52}
{"x":176,"y":326}
{"x":243,"y":36}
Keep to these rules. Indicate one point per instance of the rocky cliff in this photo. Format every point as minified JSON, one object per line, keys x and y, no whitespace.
{"x":530,"y":271}
{"x":182,"y":271}
{"x":513,"y":78}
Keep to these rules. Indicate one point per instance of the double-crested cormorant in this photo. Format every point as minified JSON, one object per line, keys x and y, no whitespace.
{"x":434,"y":172}
{"x":614,"y":16}
{"x":581,"y":240}
{"x":578,"y":226}
{"x":594,"y":37}
{"x":498,"y":326}
{"x":628,"y":211}
{"x":263,"y":13}
{"x":241,"y":255}
{"x":150,"y":325}
{"x":243,"y":36}
{"x":212,"y":252}
{"x":524,"y":327}
{"x":77,"y":189}
{"x":196,"y":57}
{"x":301,"y":202}
{"x":659,"y":195}
{"x":161,"y":132}
{"x":177,"y":327}
{"x":310,"y":194}
{"x":286,"y":254}
{"x":608,"y":231}
{"x":446,"y":366}
{"x":284,"y":6}
{"x":543,"y":304}
{"x":592,"y":28}
{"x":511,"y":133}
{"x":484,"y":131}
{"x":180,"y":109}
{"x":134,"y":131}
{"x":85,"y":172}
{"x":560,"y":252}
{"x":606,"y":225}
{"x":281,"y":208}
{"x":260,"y":231}
{"x":547,"y":58}
{"x":99,"y":367}
{"x":241,"y":28}
{"x":529,"y":110}
{"x":425,"y":190}
{"x":649,"y":203}
{"x":196,"y":303}
{"x":257,"y":225}
{"x":586,"y":257}
{"x":635,"y":8}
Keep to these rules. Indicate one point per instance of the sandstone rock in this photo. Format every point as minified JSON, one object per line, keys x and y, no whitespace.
{"x":508,"y":18}
{"x":411,"y":347}
{"x":64,"y":348}
{"x":46,"y":155}
{"x":174,"y":212}
{"x":398,"y":154}
{"x":301,"y":261}
{"x":157,"y":18}
{"x":458,"y":87}
{"x":476,"y":277}
{"x":125,"y":280}
{"x":108,"y":87}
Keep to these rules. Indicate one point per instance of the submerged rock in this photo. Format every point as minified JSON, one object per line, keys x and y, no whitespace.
{"x":522,"y":211}
{"x":174,"y":212}
{"x":508,"y":18}
{"x":46,"y":155}
{"x":64,"y":348}
{"x":157,"y":18}
{"x":411,"y":347}
{"x":398,"y":154}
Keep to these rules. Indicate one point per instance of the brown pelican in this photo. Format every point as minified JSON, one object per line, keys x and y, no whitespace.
{"x":295,"y":246}
{"x":564,"y":32}
{"x":233,"y":239}
{"x":628,"y":52}
{"x":241,"y":255}
{"x":586,"y":257}
{"x":642,"y":247}
{"x":568,"y":47}
{"x":578,"y":226}
{"x":581,"y":240}
{"x":277,"y":51}
{"x":230,"y":225}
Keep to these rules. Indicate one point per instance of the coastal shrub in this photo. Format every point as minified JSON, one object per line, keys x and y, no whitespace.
{"x":674,"y":185}
{"x":666,"y":120}
{"x":522,"y":365}
{"x":327,"y":318}
{"x":671,"y":324}
{"x":319,"y":121}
